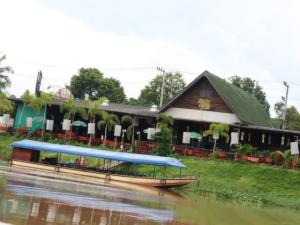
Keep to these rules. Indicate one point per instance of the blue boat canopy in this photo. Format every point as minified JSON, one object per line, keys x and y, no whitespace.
{"x":103,"y":154}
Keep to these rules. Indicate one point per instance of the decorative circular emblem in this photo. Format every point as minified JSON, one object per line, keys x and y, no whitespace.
{"x":204,"y":104}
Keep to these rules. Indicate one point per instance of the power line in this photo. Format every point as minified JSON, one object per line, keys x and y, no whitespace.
{"x":49,"y":79}
{"x":278,"y":81}
{"x":69,"y":67}
{"x":38,"y":64}
{"x":279,"y":97}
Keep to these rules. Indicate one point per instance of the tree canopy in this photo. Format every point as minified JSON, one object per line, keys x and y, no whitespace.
{"x":6,"y":106}
{"x":4,"y":79}
{"x":174,"y":83}
{"x":251,"y":86}
{"x":292,"y":119}
{"x":92,"y":82}
{"x":70,"y":109}
{"x":164,"y":136}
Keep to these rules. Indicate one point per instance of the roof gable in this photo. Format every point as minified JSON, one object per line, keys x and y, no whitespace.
{"x":202,"y":92}
{"x":244,"y":105}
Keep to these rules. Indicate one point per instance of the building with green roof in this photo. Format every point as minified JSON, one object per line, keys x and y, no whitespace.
{"x":211,"y":99}
{"x":208,"y":99}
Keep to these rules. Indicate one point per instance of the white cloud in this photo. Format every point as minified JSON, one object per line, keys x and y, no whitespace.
{"x":36,"y":34}
{"x":257,"y":39}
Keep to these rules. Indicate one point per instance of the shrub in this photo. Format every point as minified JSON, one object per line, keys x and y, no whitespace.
{"x":214,"y":155}
{"x":287,"y":157}
{"x":245,"y":149}
{"x":163,"y":140}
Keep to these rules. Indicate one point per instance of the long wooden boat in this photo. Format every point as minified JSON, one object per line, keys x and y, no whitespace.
{"x":26,"y":154}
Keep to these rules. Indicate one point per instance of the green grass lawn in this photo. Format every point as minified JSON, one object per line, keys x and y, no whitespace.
{"x":229,"y":179}
{"x":237,"y":180}
{"x":247,"y":182}
{"x":5,"y":149}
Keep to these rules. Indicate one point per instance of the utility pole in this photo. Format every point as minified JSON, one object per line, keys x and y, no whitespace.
{"x":38,"y":83}
{"x":285,"y":99}
{"x":162,"y":86}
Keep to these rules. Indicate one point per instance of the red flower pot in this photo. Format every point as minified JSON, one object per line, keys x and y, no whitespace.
{"x":221,"y":154}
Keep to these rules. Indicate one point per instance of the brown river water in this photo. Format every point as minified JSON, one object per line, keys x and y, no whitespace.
{"x":39,"y":200}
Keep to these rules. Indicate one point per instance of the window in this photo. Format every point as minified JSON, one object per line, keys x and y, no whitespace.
{"x":206,"y":90}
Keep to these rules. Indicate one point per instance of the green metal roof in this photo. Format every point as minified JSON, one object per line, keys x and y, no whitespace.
{"x":276,"y":123}
{"x":246,"y":107}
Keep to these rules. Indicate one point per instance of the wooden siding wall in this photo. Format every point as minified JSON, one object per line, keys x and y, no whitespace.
{"x":190,"y":99}
{"x":25,"y":155}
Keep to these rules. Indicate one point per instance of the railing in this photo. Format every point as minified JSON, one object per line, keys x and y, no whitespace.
{"x":144,"y":147}
{"x":140,"y":147}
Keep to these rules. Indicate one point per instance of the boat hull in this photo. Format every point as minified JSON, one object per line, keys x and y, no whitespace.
{"x":153,"y":182}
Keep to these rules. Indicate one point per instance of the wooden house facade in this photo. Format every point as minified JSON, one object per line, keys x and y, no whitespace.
{"x":208,"y":99}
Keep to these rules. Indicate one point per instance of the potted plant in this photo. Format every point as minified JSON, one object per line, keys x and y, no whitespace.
{"x":267,"y":157}
{"x":277,"y":157}
{"x":254,"y":157}
{"x":214,"y":155}
{"x":293,"y":163}
{"x":221,"y":154}
{"x":287,"y":157}
{"x":261,"y":156}
{"x":244,"y":151}
{"x":289,"y":161}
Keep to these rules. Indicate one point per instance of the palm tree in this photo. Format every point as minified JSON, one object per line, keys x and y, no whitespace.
{"x":130,"y":129}
{"x":45,"y":100}
{"x":4,"y":79}
{"x":164,"y":120}
{"x":164,"y":136}
{"x":5,"y":105}
{"x":217,"y":130}
{"x":26,"y":99}
{"x":109,"y":120}
{"x":35,"y":103}
{"x":71,"y":109}
{"x":93,"y":109}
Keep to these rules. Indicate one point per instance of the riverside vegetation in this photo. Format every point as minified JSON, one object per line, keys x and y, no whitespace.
{"x":237,"y":180}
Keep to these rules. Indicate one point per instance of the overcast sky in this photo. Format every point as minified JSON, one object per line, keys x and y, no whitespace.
{"x":128,"y":39}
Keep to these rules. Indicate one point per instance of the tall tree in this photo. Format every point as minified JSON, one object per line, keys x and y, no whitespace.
{"x":279,"y":109}
{"x":87,"y":81}
{"x":71,"y":109}
{"x":174,"y":83}
{"x":133,"y":101}
{"x":164,"y":120}
{"x":46,"y":99}
{"x":251,"y":86}
{"x":26,"y":99}
{"x":163,"y":137}
{"x":93,"y":109}
{"x":219,"y":130}
{"x":131,"y":122}
{"x":109,"y":120}
{"x":6,"y":105}
{"x":4,"y":79}
{"x":112,"y":89}
{"x":92,"y":82}
{"x":292,"y":119}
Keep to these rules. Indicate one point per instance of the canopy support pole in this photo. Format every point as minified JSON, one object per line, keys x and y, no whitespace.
{"x":104,"y":165}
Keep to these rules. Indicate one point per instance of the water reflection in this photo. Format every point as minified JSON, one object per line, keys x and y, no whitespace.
{"x":33,"y":203}
{"x":38,"y":200}
{"x":82,"y":201}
